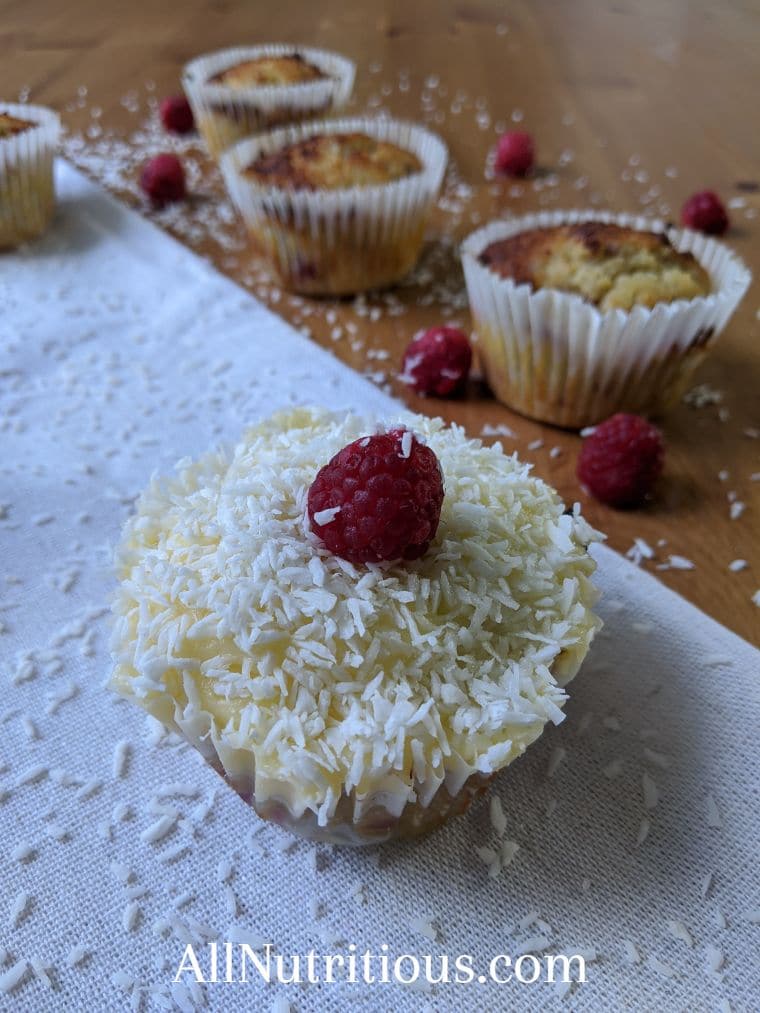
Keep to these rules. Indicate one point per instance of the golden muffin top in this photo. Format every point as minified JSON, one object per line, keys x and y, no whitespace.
{"x":612,"y":266}
{"x":263,"y":71}
{"x":12,"y":125}
{"x":332,"y":162}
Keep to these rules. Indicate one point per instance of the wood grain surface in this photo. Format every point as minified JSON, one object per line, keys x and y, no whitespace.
{"x":634,"y":104}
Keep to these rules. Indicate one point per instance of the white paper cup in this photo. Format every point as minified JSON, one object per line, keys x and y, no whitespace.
{"x":226,"y":115}
{"x":27,"y":194}
{"x":339,"y":241}
{"x":555,"y":357}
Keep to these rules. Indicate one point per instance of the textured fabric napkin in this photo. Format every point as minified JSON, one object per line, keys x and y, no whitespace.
{"x":636,"y":819}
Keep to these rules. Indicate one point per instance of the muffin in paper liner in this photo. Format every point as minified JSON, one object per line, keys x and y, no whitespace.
{"x":27,"y":192}
{"x":553,"y":356}
{"x":353,"y":704}
{"x":225,"y":115}
{"x":340,"y":241}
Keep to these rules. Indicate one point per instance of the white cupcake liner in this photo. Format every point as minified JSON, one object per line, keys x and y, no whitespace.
{"x":392,"y":809}
{"x":555,"y":357}
{"x":339,"y":241}
{"x":225,"y":115}
{"x":27,"y":195}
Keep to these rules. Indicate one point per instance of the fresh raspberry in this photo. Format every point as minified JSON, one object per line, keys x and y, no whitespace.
{"x":705,"y":212}
{"x":621,"y":460}
{"x":163,"y":179}
{"x":437,"y":361}
{"x":515,"y":153}
{"x":378,"y":498}
{"x":176,"y":114}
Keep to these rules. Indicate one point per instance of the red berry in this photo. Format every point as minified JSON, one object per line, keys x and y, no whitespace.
{"x":704,"y":211}
{"x":176,"y":114}
{"x":386,"y":493}
{"x":621,"y":460}
{"x":437,"y":361}
{"x":163,"y":179}
{"x":515,"y":153}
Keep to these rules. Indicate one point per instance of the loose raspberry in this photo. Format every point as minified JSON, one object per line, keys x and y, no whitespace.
{"x":378,"y":499}
{"x":176,"y":114}
{"x":621,"y":460}
{"x":437,"y":361}
{"x":163,"y":179}
{"x":515,"y":153}
{"x":705,"y":212}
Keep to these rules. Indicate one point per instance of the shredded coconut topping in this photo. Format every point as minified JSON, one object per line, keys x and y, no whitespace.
{"x":234,"y":622}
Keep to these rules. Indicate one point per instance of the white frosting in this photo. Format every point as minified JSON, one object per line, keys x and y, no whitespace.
{"x":316,"y":677}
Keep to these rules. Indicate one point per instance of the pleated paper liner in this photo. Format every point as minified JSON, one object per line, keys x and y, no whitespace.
{"x":27,"y":193}
{"x":339,"y":241}
{"x":225,"y":115}
{"x":555,"y":357}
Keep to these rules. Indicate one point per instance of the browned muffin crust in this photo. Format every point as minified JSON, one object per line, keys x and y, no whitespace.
{"x":333,"y":161}
{"x":12,"y":125}
{"x":610,"y":265}
{"x":266,"y":71}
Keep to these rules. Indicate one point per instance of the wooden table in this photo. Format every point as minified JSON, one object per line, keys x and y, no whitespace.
{"x":634,"y":105}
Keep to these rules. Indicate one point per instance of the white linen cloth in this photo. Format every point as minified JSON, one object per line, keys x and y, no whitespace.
{"x":121,"y":351}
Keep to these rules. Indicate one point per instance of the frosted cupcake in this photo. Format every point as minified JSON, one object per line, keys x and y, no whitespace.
{"x":579,"y":315}
{"x":345,"y":695}
{"x":238,"y":92}
{"x":28,"y":137}
{"x":338,"y":206}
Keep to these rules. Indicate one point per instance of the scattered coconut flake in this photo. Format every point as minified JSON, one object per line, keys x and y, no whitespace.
{"x":32,"y":775}
{"x":661,"y":967}
{"x":643,"y":832}
{"x":498,"y":817}
{"x":130,"y":915}
{"x":158,"y":830}
{"x":121,"y":758}
{"x":20,"y":908}
{"x":11,"y":978}
{"x":632,"y":955}
{"x":323,"y":517}
{"x":77,"y":954}
{"x":22,"y":852}
{"x":737,"y":565}
{"x":40,"y":971}
{"x":558,"y":755}
{"x":714,"y":957}
{"x":651,"y":793}
{"x":424,"y":926}
{"x":713,"y":813}
{"x":678,"y":930}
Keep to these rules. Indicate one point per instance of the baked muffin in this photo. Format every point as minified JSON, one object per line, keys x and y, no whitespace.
{"x":351,"y":702}
{"x":287,"y":68}
{"x":340,"y":206}
{"x":333,"y":162}
{"x":612,"y":266}
{"x":28,"y":136}
{"x":236,"y":93}
{"x":579,"y":315}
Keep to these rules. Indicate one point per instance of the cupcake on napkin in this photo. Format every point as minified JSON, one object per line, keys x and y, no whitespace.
{"x":357,"y":627}
{"x":582,"y":314}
